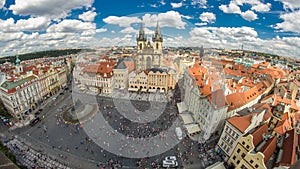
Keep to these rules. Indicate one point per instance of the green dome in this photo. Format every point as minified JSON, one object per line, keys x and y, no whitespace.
{"x":18,"y":61}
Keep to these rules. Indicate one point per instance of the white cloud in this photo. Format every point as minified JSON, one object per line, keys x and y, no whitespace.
{"x":128,"y":30}
{"x":6,"y":37}
{"x":242,"y":2}
{"x":2,"y":3}
{"x":290,"y":22}
{"x":71,"y":25}
{"x":235,"y":9}
{"x":123,"y":21}
{"x":176,"y":5}
{"x":290,"y":4}
{"x":53,"y":9}
{"x":7,"y":25}
{"x":88,"y":16}
{"x":201,"y":24}
{"x":168,"y":19}
{"x":162,"y":2}
{"x":208,"y":17}
{"x":187,"y":17}
{"x":32,"y":24}
{"x":261,"y":7}
{"x":199,"y":3}
{"x":101,"y":30}
{"x":249,"y":15}
{"x":231,"y":8}
{"x":233,"y":37}
{"x":153,"y":5}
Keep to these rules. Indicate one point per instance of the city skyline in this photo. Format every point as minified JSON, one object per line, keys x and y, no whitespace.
{"x":34,"y":25}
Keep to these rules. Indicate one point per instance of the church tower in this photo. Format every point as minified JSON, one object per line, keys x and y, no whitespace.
{"x":157,"y":40}
{"x":141,"y":39}
{"x":18,"y":66}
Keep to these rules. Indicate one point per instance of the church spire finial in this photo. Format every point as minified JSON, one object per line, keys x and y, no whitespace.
{"x":141,"y":35}
{"x":157,"y":31}
{"x":18,"y":61}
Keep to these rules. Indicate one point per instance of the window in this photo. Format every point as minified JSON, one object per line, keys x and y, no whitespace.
{"x":243,"y":155}
{"x":238,"y":162}
{"x":243,"y":143}
{"x":243,"y":167}
{"x":234,"y":157}
{"x":256,"y":166}
{"x":251,"y":161}
{"x":247,"y":146}
{"x":238,"y":151}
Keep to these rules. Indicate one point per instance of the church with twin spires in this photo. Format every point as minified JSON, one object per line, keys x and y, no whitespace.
{"x":149,"y":55}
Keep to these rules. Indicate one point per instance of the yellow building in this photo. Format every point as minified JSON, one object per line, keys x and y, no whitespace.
{"x":253,"y":150}
{"x":161,"y":79}
{"x":138,"y":81}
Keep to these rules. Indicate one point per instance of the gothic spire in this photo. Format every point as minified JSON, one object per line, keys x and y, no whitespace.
{"x":157,"y":35}
{"x":157,"y":31}
{"x":141,"y":35}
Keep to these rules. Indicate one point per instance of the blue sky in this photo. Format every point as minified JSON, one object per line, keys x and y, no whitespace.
{"x":263,"y":25}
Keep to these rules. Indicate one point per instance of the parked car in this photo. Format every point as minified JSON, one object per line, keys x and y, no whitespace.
{"x":171,"y":158}
{"x":170,"y":163}
{"x":178,"y":132}
{"x":35,"y":121}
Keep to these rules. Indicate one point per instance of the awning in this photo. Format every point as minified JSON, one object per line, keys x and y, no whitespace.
{"x":162,"y":90}
{"x":152,"y":90}
{"x":133,"y":89}
{"x":144,"y":90}
{"x":192,"y":128}
{"x":181,"y":107}
{"x":187,"y":118}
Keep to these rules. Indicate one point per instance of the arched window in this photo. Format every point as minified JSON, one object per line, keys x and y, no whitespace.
{"x":156,"y":45}
{"x":141,"y":46}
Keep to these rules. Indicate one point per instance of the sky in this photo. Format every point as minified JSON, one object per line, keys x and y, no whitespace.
{"x":270,"y":26}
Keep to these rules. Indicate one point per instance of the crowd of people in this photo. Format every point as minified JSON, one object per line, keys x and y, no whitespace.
{"x":31,"y":158}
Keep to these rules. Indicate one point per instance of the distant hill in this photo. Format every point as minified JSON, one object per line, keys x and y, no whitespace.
{"x":34,"y":55}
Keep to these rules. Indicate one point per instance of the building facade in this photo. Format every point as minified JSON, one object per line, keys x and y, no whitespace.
{"x":148,"y":55}
{"x":21,"y":96}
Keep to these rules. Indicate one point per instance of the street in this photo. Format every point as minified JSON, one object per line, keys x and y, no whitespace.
{"x":131,"y":134}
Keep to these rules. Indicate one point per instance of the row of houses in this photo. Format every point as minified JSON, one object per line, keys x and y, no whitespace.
{"x":105,"y":76}
{"x":227,"y":100}
{"x":25,"y":85}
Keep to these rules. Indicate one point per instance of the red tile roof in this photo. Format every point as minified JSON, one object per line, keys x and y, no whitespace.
{"x":241,"y":122}
{"x":289,"y":149}
{"x":269,"y":148}
{"x":264,"y":106}
{"x":130,"y":66}
{"x":258,"y":134}
{"x":102,"y":68}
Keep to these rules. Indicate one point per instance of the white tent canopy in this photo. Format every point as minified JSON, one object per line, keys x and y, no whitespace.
{"x":192,"y":128}
{"x":187,"y":118}
{"x":181,"y":107}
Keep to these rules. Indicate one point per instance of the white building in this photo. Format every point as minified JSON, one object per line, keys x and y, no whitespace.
{"x":208,"y":112}
{"x":21,"y":96}
{"x":235,"y":127}
{"x":97,"y":77}
{"x":120,"y":75}
{"x":138,"y":80}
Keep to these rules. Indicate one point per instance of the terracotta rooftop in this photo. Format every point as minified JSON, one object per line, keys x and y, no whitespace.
{"x":269,"y":148}
{"x":241,"y":122}
{"x":258,"y":134}
{"x":102,"y":68}
{"x":217,"y":98}
{"x":283,"y":125}
{"x":264,"y":106}
{"x":289,"y":149}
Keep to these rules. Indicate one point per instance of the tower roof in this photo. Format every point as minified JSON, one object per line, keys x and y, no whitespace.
{"x":141,"y":36}
{"x":18,"y":61}
{"x":157,"y":35}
